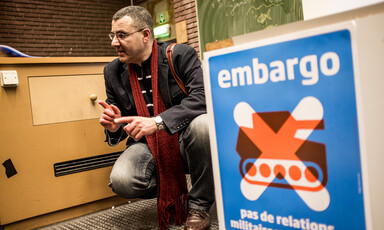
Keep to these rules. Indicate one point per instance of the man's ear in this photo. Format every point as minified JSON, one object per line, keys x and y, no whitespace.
{"x":147,"y":35}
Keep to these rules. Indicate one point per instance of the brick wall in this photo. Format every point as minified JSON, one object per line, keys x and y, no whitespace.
{"x":53,"y":28}
{"x":58,"y":27}
{"x":186,"y":10}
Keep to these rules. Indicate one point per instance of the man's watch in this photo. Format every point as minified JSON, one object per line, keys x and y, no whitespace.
{"x":159,"y":123}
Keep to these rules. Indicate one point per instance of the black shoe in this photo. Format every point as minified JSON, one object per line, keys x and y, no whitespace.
{"x":197,"y":220}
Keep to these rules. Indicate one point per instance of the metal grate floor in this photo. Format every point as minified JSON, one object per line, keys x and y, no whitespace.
{"x":133,"y":216}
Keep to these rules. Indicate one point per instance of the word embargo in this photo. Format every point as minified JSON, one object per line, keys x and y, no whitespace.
{"x":278,"y":71}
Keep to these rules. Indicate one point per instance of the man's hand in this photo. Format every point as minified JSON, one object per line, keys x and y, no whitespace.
{"x":110,"y":113}
{"x":138,"y":127}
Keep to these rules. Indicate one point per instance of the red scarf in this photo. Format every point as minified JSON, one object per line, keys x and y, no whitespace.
{"x":172,"y":193}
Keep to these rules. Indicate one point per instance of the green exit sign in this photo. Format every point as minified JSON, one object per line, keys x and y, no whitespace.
{"x":162,"y":17}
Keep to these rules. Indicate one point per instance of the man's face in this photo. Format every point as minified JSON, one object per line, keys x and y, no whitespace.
{"x":130,"y":49}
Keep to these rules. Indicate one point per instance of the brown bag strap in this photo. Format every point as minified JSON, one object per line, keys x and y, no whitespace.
{"x":169,"y":57}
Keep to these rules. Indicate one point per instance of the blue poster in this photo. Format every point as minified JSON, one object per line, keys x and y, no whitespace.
{"x":287,"y":137}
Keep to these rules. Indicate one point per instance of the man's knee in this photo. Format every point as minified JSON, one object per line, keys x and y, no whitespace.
{"x":194,"y":145}
{"x":134,"y":173}
{"x":198,"y":128}
{"x":121,"y":185}
{"x":130,"y":188}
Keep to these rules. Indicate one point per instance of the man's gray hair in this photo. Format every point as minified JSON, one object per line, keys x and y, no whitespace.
{"x":141,"y":17}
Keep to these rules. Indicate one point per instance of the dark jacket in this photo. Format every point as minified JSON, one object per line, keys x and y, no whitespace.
{"x":181,"y":109}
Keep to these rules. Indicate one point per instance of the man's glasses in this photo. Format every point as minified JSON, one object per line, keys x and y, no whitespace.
{"x":122,"y":35}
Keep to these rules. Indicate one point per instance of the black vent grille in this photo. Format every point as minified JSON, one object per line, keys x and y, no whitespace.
{"x":85,"y":164}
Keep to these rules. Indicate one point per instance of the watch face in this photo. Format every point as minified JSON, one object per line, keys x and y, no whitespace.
{"x":159,"y":123}
{"x":158,"y":120}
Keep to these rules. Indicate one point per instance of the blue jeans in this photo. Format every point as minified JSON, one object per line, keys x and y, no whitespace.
{"x":134,"y":172}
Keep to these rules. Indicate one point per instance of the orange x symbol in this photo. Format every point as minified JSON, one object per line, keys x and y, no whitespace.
{"x":279,"y":144}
